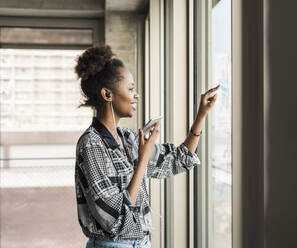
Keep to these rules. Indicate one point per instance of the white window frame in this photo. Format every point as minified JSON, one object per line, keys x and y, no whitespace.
{"x":176,"y":198}
{"x":201,"y":196}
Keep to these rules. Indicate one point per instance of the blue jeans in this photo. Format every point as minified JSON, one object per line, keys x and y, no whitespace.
{"x":99,"y":243}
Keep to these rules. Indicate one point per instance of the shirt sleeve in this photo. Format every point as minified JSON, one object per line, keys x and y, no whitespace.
{"x":111,"y":207}
{"x":167,"y":160}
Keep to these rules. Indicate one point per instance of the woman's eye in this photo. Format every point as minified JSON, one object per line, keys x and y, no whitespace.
{"x":132,"y":89}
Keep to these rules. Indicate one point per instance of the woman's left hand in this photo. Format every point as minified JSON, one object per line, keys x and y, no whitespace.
{"x":207,"y":101}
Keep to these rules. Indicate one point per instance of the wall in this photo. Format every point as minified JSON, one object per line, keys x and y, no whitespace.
{"x":264,"y":120}
{"x":280,"y":41}
{"x":121,"y":34}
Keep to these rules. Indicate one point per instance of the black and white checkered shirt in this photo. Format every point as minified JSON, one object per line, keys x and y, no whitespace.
{"x":103,"y":171}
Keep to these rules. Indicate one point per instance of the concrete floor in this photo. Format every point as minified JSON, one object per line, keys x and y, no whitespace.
{"x":40,"y":217}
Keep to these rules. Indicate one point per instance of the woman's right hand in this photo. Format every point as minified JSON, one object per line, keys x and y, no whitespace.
{"x":146,"y":145}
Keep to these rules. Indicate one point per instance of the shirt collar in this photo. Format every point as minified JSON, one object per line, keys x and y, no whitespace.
{"x":108,"y":139}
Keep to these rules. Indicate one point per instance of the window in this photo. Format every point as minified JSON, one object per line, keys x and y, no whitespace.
{"x":221,"y":125}
{"x":213,"y":180}
{"x":40,"y":124}
{"x":39,"y":97}
{"x":39,"y":91}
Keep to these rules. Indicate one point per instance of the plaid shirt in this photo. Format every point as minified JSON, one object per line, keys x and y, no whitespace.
{"x":103,"y":171}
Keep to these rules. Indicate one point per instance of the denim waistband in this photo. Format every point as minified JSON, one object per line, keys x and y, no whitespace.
{"x":124,"y":241}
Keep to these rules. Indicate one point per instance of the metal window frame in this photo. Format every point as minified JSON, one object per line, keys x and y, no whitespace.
{"x":177,"y":104}
{"x":167,"y":94}
{"x":167,"y":77}
{"x":153,"y":108}
{"x":201,"y":175}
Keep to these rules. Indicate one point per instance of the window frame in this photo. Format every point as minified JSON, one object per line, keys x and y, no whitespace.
{"x":152,"y":108}
{"x":202,"y":175}
{"x":247,"y":114}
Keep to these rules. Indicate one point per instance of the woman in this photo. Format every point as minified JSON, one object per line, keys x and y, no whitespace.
{"x":111,"y":166}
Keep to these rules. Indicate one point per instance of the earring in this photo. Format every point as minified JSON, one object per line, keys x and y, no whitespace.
{"x":107,"y":94}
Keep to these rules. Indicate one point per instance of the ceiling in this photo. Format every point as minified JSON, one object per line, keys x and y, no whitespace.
{"x":127,"y":5}
{"x":70,"y":8}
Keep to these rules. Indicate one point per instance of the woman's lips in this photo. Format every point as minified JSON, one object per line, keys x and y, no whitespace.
{"x":133,"y":106}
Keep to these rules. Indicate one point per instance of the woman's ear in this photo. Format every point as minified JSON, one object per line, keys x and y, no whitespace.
{"x":106,"y":94}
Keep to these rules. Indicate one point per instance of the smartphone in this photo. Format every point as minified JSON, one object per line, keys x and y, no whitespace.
{"x":149,"y":125}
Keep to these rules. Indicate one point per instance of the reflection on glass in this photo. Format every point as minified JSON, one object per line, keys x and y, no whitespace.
{"x":221,"y":125}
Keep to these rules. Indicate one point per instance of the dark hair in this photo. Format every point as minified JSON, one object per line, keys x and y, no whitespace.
{"x":97,"y":69}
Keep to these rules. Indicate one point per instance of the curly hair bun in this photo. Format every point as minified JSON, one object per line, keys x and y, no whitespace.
{"x":93,"y":60}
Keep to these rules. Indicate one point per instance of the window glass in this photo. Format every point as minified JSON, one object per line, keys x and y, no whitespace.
{"x":40,"y":125}
{"x":39,"y":118}
{"x":221,"y":124}
{"x":40,"y":91}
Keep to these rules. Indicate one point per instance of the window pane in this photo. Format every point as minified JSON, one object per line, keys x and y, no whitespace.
{"x":40,"y":125}
{"x":39,"y":117}
{"x":39,"y":91}
{"x":49,"y":36}
{"x":221,"y":125}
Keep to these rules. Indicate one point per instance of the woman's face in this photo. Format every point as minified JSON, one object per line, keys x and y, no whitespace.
{"x":125,"y":99}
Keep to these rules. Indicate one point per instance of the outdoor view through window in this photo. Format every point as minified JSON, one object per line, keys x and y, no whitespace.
{"x":40,"y":123}
{"x":221,"y":125}
{"x":39,"y":99}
